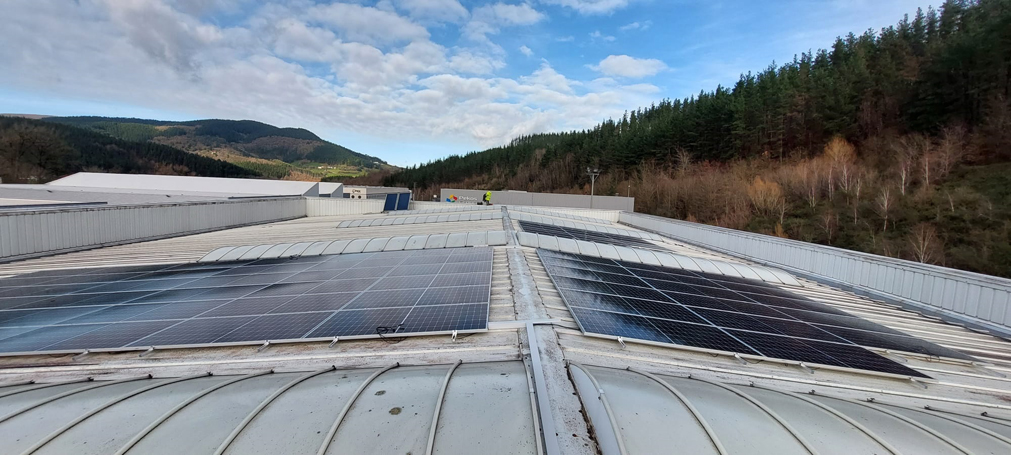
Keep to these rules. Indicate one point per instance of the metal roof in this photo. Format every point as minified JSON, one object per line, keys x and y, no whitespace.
{"x":394,"y":409}
{"x":112,"y":196}
{"x":186,"y":184}
{"x":533,"y":382}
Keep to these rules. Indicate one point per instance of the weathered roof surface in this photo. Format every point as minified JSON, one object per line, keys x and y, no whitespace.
{"x":111,"y":196}
{"x":488,"y":404}
{"x":704,"y":416}
{"x":193,"y":247}
{"x":370,"y":410}
{"x":251,"y":187}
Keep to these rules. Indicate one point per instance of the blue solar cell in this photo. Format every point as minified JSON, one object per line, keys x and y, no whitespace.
{"x":715,"y":312}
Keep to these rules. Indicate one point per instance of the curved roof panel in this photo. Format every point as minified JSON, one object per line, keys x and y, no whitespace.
{"x":703,"y":416}
{"x":485,"y":408}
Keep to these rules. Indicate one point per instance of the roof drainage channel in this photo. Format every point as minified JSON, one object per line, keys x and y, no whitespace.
{"x":414,"y":242}
{"x":664,"y":259}
{"x":443,"y":218}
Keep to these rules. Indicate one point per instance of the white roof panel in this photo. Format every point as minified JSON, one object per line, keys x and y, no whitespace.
{"x":250,"y":187}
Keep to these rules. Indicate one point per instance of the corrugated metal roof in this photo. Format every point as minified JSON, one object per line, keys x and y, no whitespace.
{"x":111,"y":196}
{"x":186,"y":184}
{"x":530,"y":329}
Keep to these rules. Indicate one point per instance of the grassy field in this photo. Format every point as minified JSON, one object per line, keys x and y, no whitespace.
{"x":277,"y":169}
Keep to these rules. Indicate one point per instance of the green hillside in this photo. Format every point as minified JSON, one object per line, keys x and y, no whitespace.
{"x":890,"y":142}
{"x":230,"y":140}
{"x":36,"y":151}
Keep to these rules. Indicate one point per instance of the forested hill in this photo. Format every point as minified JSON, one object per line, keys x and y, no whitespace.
{"x":895,"y":142}
{"x":228,"y":139}
{"x":35,"y":151}
{"x":943,"y":67}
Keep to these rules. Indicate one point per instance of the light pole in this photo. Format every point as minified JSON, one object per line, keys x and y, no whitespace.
{"x":593,"y":173}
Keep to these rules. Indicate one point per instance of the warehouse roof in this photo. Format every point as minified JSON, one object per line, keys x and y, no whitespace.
{"x":532,"y":383}
{"x":187,"y":184}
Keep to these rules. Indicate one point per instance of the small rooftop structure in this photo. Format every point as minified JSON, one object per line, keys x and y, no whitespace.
{"x":578,"y":346}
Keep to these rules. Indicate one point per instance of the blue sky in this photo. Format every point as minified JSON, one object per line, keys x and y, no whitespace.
{"x":405,"y":80}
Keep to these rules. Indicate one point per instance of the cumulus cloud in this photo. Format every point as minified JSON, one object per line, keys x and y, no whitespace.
{"x":434,"y":10}
{"x":645,"y":25}
{"x":289,"y":66}
{"x":590,"y":6}
{"x":526,"y":51}
{"x":367,"y":24}
{"x":596,"y":35}
{"x":490,"y":19}
{"x":630,"y":67}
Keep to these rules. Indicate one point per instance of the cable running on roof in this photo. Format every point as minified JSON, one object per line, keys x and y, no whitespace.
{"x":263,"y":405}
{"x":789,"y":428}
{"x":607,"y":407}
{"x":347,"y":407}
{"x":143,"y":433}
{"x":913,"y":423}
{"x":691,"y":408}
{"x":438,"y":408}
{"x":46,"y":440}
{"x":988,"y":432}
{"x":43,"y":386}
{"x":845,"y":418}
{"x":67,"y":394}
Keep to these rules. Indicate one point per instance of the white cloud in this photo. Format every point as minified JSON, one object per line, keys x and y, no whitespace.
{"x":630,"y":67}
{"x":590,"y":6}
{"x":505,"y":14}
{"x":474,"y":62}
{"x":526,"y":51}
{"x":434,"y":10}
{"x":565,"y":39}
{"x":286,"y":67}
{"x":636,"y":26}
{"x":489,"y":19}
{"x":597,"y":35}
{"x":366,"y":24}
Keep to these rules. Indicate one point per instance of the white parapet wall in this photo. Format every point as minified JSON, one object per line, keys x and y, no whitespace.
{"x":322,"y":206}
{"x":973,"y":298}
{"x":27,"y":234}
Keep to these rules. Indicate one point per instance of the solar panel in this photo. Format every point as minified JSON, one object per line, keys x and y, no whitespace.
{"x":384,"y":293}
{"x":652,"y":303}
{"x":589,"y":236}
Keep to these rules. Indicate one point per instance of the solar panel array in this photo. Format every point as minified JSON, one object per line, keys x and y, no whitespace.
{"x":589,"y":236}
{"x":645,"y":302}
{"x":386,"y":293}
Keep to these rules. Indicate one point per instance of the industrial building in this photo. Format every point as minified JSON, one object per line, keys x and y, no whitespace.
{"x":293,"y":323}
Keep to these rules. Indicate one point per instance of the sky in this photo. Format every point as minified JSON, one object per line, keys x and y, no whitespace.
{"x":405,"y":80}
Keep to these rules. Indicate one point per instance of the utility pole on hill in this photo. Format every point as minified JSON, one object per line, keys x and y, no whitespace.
{"x":593,"y":173}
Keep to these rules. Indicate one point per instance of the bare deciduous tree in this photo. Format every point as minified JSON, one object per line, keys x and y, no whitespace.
{"x":950,"y":149}
{"x":684,"y":160}
{"x":840,"y":155}
{"x":925,"y":244}
{"x":884,"y":205}
{"x":909,"y":150}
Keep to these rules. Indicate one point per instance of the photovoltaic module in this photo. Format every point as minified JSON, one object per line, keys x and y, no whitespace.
{"x":665,"y":305}
{"x":379,"y":294}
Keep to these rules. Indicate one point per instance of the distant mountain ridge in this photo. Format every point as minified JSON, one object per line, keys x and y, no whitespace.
{"x":229,"y":140}
{"x":36,"y":151}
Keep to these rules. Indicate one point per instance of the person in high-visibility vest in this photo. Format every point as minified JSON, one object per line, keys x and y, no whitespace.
{"x":487,"y":198}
